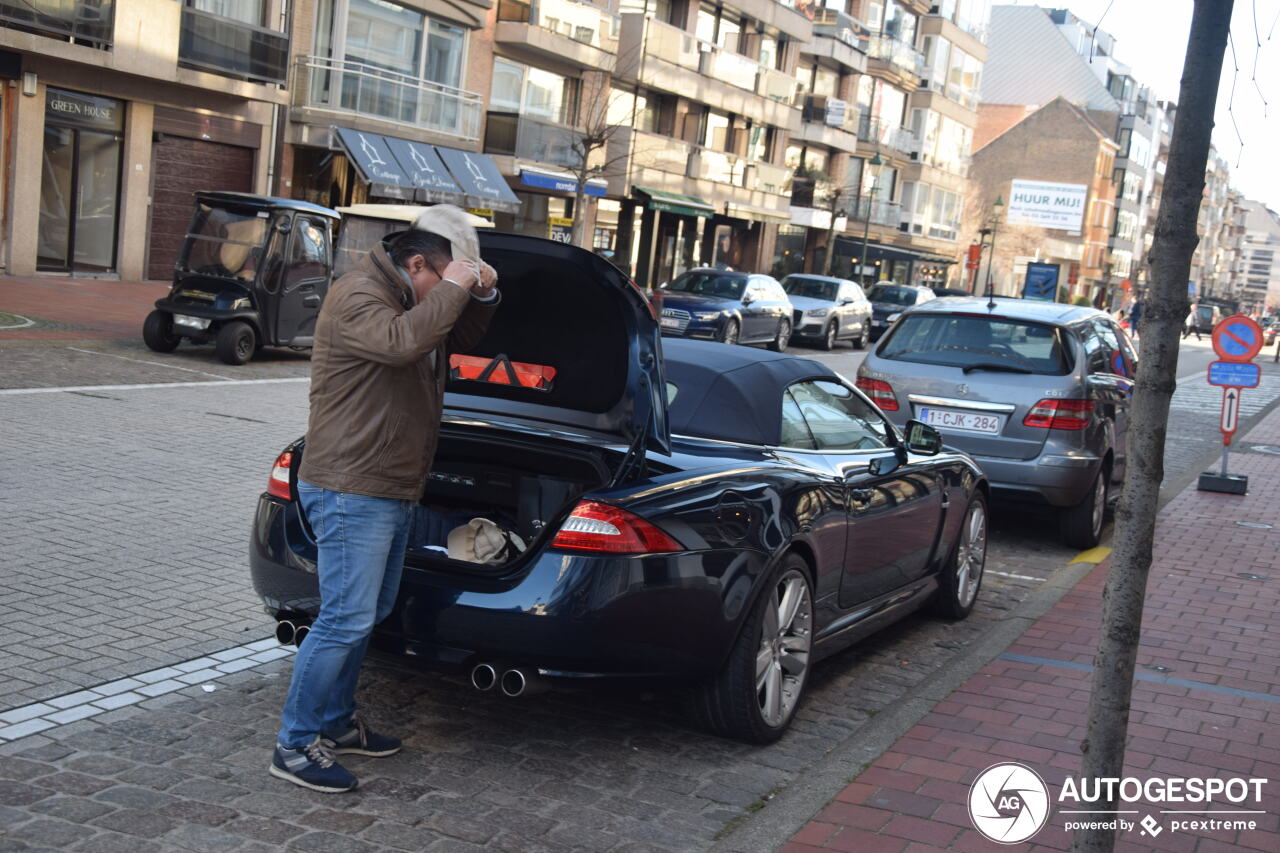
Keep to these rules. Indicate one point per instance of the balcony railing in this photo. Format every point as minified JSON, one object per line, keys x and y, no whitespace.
{"x":897,"y":53}
{"x":655,"y":151}
{"x":81,"y":21}
{"x":843,"y":28}
{"x":214,"y":43}
{"x":880,"y":212}
{"x":531,"y":139}
{"x":572,"y":19}
{"x":366,"y":90}
{"x":678,"y":47}
{"x":884,"y":133}
{"x":722,"y":167}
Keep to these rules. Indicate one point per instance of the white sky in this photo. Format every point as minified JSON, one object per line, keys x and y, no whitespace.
{"x":1151,"y":38}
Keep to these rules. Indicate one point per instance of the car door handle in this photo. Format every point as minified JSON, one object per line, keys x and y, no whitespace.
{"x":313,"y":299}
{"x":862,"y":496}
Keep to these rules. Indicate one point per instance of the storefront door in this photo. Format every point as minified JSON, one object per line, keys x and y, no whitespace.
{"x":80,"y":185}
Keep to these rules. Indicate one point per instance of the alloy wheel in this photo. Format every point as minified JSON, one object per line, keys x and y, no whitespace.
{"x":782,"y":661}
{"x":1099,"y":502}
{"x":831,"y":336}
{"x":731,"y":332}
{"x":972,"y":554}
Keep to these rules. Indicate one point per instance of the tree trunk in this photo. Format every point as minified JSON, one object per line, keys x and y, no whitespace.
{"x":1163,"y":314}
{"x":579,"y":235}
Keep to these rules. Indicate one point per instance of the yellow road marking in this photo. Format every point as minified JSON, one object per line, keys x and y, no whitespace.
{"x":1093,"y":555}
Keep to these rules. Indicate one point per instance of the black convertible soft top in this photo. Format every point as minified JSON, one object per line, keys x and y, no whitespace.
{"x":732,"y":393}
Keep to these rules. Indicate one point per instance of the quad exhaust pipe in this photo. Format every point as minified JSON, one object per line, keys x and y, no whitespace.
{"x":290,"y":632}
{"x":512,"y":681}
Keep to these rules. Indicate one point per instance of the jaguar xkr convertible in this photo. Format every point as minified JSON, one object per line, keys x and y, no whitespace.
{"x":690,"y":512}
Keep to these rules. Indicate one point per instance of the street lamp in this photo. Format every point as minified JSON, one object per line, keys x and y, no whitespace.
{"x":996,"y":210}
{"x":982,"y":244}
{"x":866,"y":227}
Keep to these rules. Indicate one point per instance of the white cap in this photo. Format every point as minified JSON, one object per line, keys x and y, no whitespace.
{"x":453,"y":224}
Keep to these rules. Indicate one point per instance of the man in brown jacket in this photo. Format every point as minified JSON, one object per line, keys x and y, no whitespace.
{"x":378,"y":369}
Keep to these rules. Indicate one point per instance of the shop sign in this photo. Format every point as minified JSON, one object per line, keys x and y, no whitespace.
{"x":1043,"y":204}
{"x":560,"y":228}
{"x":1041,"y":282}
{"x":81,"y":110}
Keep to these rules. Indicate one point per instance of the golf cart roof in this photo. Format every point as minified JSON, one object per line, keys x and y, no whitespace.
{"x":262,"y":202}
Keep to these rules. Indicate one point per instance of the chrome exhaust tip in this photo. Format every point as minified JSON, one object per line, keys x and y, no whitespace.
{"x":519,"y":681}
{"x":300,"y":634}
{"x":285,"y":631}
{"x":484,"y":676}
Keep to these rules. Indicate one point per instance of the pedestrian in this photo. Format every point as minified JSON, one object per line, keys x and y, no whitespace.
{"x":381,"y":354}
{"x":1190,"y":325}
{"x":1135,"y":314}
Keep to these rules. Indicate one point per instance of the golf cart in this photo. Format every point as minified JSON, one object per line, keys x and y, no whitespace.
{"x":252,"y":272}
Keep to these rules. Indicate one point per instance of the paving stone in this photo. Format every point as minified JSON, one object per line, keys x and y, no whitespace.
{"x":345,"y":823}
{"x":50,"y":752}
{"x":330,"y":842}
{"x":73,"y":783}
{"x":55,"y":833}
{"x":191,"y":811}
{"x":114,"y":842}
{"x":98,"y":765}
{"x":207,"y":790}
{"x":134,"y":797}
{"x":74,"y":809}
{"x":461,"y":828}
{"x":156,"y":778}
{"x":202,"y":839}
{"x":264,"y":829}
{"x":136,"y":822}
{"x":399,"y":837}
{"x":22,"y":770}
{"x":20,"y":794}
{"x":11,"y":817}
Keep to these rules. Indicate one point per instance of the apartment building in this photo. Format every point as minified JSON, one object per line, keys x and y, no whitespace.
{"x":114,"y":110}
{"x":881,"y":158}
{"x":1261,"y":259}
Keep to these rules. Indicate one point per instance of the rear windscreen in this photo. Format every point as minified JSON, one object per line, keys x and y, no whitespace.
{"x":995,"y":343}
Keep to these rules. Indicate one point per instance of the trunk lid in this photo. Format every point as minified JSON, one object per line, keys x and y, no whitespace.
{"x":569,"y":309}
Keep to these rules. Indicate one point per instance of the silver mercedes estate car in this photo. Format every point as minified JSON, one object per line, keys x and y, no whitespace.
{"x":1037,"y":392}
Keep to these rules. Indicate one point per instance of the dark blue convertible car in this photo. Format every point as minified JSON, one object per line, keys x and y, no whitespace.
{"x":712,"y":515}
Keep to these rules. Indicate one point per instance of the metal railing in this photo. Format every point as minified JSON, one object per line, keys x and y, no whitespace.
{"x":843,"y":28}
{"x":87,"y":21}
{"x":880,"y":212}
{"x":366,"y":90}
{"x":897,"y":53}
{"x":655,"y":151}
{"x":681,"y":48}
{"x":722,"y":167}
{"x":572,"y":19}
{"x":531,"y":139}
{"x":213,"y":43}
{"x":883,"y":133}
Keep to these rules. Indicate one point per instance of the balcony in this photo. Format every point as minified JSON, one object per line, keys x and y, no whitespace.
{"x":88,"y":22}
{"x":886,"y":134}
{"x":360,"y":90}
{"x":570,"y":30}
{"x":900,"y":55}
{"x":531,"y":139}
{"x":888,"y":213}
{"x":231,"y":48}
{"x":839,"y":37}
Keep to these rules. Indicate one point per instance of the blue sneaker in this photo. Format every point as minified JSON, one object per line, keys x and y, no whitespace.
{"x":360,"y":740}
{"x":312,"y":767}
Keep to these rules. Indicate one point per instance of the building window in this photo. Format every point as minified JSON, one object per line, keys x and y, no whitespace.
{"x":244,"y":11}
{"x":531,"y":92}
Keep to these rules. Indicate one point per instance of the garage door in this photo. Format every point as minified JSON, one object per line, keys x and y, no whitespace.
{"x":180,"y":166}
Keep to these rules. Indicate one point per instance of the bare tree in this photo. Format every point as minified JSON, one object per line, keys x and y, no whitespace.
{"x":1162,"y":318}
{"x":589,"y":147}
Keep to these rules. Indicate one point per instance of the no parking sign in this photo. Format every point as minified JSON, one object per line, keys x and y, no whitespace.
{"x":1236,"y":340}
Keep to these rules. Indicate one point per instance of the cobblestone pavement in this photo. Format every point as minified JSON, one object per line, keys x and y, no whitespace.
{"x":122,"y":506}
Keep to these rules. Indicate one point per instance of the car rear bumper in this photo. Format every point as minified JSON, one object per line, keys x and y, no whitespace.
{"x":1056,"y":480}
{"x":570,"y":615}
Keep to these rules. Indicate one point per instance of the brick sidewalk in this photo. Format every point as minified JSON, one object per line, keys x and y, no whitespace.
{"x":77,"y":308}
{"x":1206,"y":702}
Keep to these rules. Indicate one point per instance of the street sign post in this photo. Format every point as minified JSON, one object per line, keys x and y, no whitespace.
{"x":1236,"y":340}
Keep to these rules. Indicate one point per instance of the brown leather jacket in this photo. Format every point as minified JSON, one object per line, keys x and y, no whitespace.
{"x":375,"y":399}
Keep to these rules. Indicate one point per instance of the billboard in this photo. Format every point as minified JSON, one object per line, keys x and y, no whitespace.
{"x":1042,"y":204}
{"x":1041,"y":282}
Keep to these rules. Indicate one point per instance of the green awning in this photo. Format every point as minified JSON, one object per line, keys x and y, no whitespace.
{"x":685,"y":205}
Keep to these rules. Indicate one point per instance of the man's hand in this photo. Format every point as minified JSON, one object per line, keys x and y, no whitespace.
{"x":488,"y":281}
{"x":465,"y":274}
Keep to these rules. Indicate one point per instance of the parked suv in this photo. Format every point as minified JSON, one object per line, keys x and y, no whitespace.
{"x":1037,"y":392}
{"x":828,"y":309}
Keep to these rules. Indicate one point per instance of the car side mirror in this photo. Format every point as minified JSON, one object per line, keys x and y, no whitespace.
{"x":848,"y":300}
{"x":284,"y":226}
{"x":923,"y":439}
{"x":747,"y":299}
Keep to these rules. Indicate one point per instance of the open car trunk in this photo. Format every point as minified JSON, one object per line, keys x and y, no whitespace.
{"x":523,"y":487}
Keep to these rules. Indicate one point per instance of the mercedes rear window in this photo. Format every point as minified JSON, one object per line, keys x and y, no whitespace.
{"x":976,"y":342}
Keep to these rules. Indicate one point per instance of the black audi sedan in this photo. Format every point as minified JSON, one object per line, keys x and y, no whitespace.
{"x":690,"y":512}
{"x":727,"y":306}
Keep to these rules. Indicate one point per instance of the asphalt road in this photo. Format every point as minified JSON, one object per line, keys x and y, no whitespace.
{"x":125,"y":502}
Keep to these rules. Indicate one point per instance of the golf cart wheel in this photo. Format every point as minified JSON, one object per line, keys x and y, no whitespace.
{"x":237,"y":342}
{"x":157,"y":332}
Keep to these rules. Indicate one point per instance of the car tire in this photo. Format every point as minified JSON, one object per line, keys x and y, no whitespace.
{"x":730,"y":333}
{"x":829,"y":336}
{"x":1082,"y":523}
{"x":961,"y":578}
{"x":782,"y":338}
{"x":860,"y":342}
{"x":157,"y":332}
{"x":236,"y":342}
{"x":755,"y":696}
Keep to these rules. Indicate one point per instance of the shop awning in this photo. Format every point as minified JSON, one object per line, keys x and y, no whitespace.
{"x":686,"y":205}
{"x":480,"y":179}
{"x":417,"y":172}
{"x":757,"y":214}
{"x":852,"y":246}
{"x":548,"y":179}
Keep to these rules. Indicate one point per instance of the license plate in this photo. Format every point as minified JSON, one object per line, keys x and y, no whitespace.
{"x":670,"y":323}
{"x":954,"y":419}
{"x":190,"y":322}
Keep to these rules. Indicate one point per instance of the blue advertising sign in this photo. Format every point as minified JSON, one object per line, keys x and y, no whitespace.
{"x":1235,"y":374}
{"x":1041,"y":282}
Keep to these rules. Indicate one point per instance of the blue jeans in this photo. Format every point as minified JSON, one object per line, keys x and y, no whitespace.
{"x":361,"y":543}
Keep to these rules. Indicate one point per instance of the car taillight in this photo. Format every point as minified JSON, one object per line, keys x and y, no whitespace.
{"x":606,"y":529}
{"x":1060,"y":414}
{"x":881,"y":393}
{"x":278,"y":484}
